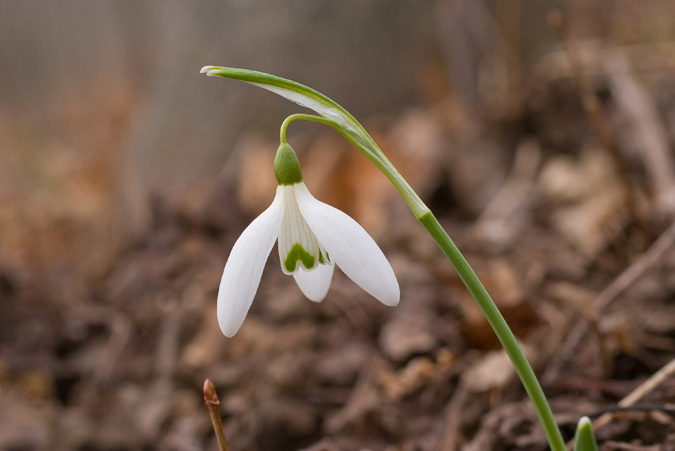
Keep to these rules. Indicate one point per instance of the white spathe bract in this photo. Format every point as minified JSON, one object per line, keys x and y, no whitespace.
{"x":313,"y":236}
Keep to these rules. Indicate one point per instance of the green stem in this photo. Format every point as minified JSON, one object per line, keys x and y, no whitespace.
{"x":501,"y":329}
{"x":468,"y":276}
{"x":374,"y":154}
{"x":305,"y":117}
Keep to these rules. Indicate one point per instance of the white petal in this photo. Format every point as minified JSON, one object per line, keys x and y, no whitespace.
{"x":245,"y":265}
{"x":314,"y":284}
{"x":350,"y":247}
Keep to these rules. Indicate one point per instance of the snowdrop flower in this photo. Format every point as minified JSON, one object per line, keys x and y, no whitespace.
{"x":313,"y":238}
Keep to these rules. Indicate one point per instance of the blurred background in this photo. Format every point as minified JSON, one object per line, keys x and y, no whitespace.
{"x":126,"y":176}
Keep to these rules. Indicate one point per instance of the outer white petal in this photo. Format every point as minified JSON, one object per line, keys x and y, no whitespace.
{"x":350,"y":247}
{"x":245,"y":265}
{"x":314,"y":284}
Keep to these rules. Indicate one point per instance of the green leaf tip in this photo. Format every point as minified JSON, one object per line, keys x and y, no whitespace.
{"x":286,"y":166}
{"x":293,"y":91}
{"x":339,"y":118}
{"x":584,"y":439}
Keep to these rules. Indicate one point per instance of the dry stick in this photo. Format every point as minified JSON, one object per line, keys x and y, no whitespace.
{"x":628,"y":447}
{"x":640,"y":392}
{"x":641,"y":110}
{"x":637,"y":407}
{"x":598,"y":118}
{"x":513,"y":193}
{"x":213,"y":404}
{"x":613,"y":290}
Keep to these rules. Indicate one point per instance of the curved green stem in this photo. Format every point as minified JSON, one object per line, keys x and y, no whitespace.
{"x":501,"y":329}
{"x":378,"y":158}
{"x":468,"y":276}
{"x":305,"y":117}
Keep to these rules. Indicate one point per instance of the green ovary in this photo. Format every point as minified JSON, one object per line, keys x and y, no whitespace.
{"x":299,"y":254}
{"x":286,"y":166}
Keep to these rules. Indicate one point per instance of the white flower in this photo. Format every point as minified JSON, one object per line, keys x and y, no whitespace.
{"x":313,"y":237}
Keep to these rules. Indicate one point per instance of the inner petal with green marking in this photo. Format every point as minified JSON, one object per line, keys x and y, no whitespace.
{"x":298,"y":254}
{"x":298,"y":246}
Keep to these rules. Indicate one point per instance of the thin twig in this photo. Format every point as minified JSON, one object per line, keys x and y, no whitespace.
{"x":609,"y":294}
{"x":649,"y":129}
{"x":630,"y":447}
{"x":598,"y":119}
{"x":640,"y":392}
{"x":213,"y":404}
{"x":638,"y":407}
